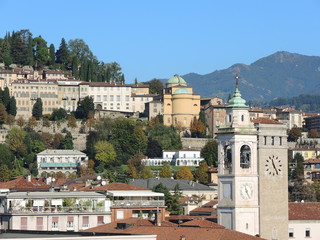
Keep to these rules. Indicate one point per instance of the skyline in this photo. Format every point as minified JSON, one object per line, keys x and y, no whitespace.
{"x":157,"y":40}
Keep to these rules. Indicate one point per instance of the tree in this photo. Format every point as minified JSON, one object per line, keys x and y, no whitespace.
{"x":6,"y":156}
{"x":201,"y":173}
{"x":153,"y":149}
{"x":294,"y":134}
{"x":298,"y":172}
{"x":105,"y":153}
{"x":141,"y":139}
{"x":135,"y":165}
{"x":165,"y":172}
{"x":3,"y":114}
{"x":146,"y":173}
{"x":4,"y":173}
{"x":155,"y":86}
{"x":32,"y":122}
{"x":210,"y":153}
{"x":75,"y":67}
{"x":12,"y":106}
{"x":41,"y":52}
{"x":72,"y":122}
{"x":313,"y":133}
{"x":197,"y":128}
{"x":21,"y":50}
{"x":10,"y":120}
{"x":184,"y":173}
{"x":46,"y":122}
{"x":37,"y":109}
{"x":84,"y":108}
{"x":20,"y":121}
{"x":166,"y":136}
{"x":62,"y":53}
{"x":66,"y":142}
{"x":80,"y":49}
{"x":58,"y":114}
{"x":15,"y":140}
{"x":57,"y":140}
{"x":52,"y":55}
{"x":6,"y":97}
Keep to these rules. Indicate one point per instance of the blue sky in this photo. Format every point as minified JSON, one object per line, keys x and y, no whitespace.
{"x":157,"y":39}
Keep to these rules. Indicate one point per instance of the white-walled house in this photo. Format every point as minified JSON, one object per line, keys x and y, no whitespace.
{"x":60,"y":160}
{"x":304,"y":220}
{"x":184,"y":157}
{"x":53,"y":211}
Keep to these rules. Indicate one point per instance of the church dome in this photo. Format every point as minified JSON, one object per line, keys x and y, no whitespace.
{"x":237,"y":100}
{"x":182,"y":91}
{"x":176,"y":79}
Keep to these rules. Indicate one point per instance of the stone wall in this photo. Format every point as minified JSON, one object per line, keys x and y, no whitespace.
{"x":194,"y":143}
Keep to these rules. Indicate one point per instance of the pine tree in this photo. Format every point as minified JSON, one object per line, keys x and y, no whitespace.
{"x":37,"y":109}
{"x":62,"y":53}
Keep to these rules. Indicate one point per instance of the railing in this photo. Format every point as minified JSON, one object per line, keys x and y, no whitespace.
{"x":56,"y":209}
{"x":127,"y":203}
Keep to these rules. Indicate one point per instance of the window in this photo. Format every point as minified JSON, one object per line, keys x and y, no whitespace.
{"x":100,"y":220}
{"x":272,"y":140}
{"x":118,"y":98}
{"x":317,"y":165}
{"x":111,"y":98}
{"x":85,"y":221}
{"x":265,"y":140}
{"x":291,"y":233}
{"x":127,"y":98}
{"x":308,"y":232}
{"x":230,"y":118}
{"x":280,"y":141}
{"x":39,"y":223}
{"x":70,"y":222}
{"x":245,"y":156}
{"x":23,"y":223}
{"x":242,"y":118}
{"x":120,"y":214}
{"x":55,"y":221}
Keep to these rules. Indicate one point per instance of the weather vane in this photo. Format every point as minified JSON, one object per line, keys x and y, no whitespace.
{"x":237,"y":79}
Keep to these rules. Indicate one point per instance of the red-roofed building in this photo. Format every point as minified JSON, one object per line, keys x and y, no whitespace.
{"x":304,"y":220}
{"x":194,"y":230}
{"x":30,"y":184}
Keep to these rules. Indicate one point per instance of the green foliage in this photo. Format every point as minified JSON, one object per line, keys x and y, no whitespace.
{"x":141,"y":139}
{"x":201,"y":173}
{"x":62,"y":53}
{"x":105,"y":153}
{"x":116,"y":174}
{"x":66,"y":142}
{"x":72,"y":122}
{"x":184,"y":173}
{"x":210,"y":153}
{"x":85,"y":107}
{"x":3,"y":114}
{"x":155,"y":86}
{"x":298,"y":172}
{"x":37,"y":109}
{"x":12,"y":106}
{"x":146,"y":173}
{"x":58,"y":114}
{"x":4,"y":173}
{"x":154,"y":149}
{"x":6,"y":156}
{"x":167,"y":137}
{"x":135,"y":165}
{"x":15,"y":140}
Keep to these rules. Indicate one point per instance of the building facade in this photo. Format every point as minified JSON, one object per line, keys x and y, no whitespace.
{"x":58,"y":160}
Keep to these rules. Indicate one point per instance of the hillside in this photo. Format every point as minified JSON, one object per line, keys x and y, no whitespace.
{"x":281,"y":74}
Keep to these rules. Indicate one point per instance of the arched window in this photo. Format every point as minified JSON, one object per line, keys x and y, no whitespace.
{"x":245,"y":156}
{"x":228,"y":158}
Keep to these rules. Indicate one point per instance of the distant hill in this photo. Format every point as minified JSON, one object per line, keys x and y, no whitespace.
{"x":282,"y":74}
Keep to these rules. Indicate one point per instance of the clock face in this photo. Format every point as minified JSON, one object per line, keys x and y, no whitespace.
{"x":273,"y":166}
{"x":246,"y":191}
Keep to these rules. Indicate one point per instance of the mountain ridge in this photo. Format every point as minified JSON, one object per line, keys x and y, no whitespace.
{"x":282,"y":74}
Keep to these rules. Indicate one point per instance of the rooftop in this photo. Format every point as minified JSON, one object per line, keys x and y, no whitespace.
{"x":304,"y":211}
{"x":265,"y":121}
{"x":61,"y":152}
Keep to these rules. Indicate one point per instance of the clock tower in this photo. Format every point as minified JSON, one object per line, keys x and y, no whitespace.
{"x":252,"y":173}
{"x":238,"y":184}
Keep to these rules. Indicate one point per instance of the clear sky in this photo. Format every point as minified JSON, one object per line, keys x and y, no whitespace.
{"x":157,"y":39}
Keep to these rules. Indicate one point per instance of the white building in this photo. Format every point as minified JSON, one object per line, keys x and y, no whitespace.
{"x":304,"y":220}
{"x":57,"y":160}
{"x":53,"y":211}
{"x":108,"y":96}
{"x":185,"y":157}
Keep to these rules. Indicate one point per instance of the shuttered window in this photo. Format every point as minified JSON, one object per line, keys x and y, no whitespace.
{"x":39,"y":223}
{"x":24,"y":223}
{"x":100,"y":220}
{"x":85,"y":221}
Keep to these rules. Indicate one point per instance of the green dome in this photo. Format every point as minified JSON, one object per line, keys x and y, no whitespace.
{"x":182,"y":91}
{"x":176,"y":79}
{"x":237,"y":100}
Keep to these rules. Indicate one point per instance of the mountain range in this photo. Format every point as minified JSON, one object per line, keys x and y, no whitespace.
{"x":281,"y":74}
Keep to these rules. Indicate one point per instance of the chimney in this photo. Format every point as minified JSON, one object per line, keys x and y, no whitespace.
{"x":158,"y":218}
{"x":28,"y":178}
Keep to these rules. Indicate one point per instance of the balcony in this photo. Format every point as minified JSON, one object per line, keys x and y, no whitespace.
{"x":58,"y":209}
{"x":138,"y":203}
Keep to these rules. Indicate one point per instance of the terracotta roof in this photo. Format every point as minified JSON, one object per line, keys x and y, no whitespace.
{"x":202,"y":223}
{"x":206,"y":210}
{"x":211,"y":204}
{"x":114,"y":186}
{"x":21,"y":183}
{"x":140,"y":226}
{"x":188,"y":218}
{"x":265,"y":121}
{"x":304,"y":211}
{"x":317,"y":160}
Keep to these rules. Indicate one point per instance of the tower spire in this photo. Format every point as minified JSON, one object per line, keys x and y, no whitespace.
{"x":237,"y":80}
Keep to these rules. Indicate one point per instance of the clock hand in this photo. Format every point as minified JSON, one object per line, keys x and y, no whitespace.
{"x":274,"y":166}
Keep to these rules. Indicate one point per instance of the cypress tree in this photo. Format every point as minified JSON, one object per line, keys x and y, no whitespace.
{"x":75,"y":65}
{"x":6,"y":97}
{"x":12,"y":107}
{"x":52,"y":55}
{"x":62,"y":54}
{"x":37,"y":109}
